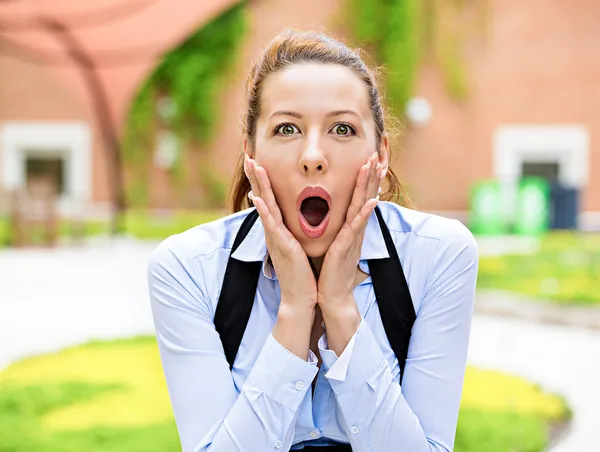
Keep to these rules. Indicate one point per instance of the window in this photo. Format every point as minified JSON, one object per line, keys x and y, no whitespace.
{"x":49,"y":168}
{"x":548,"y":171}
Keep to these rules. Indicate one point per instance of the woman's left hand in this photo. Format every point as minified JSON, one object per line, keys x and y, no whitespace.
{"x":336,"y":280}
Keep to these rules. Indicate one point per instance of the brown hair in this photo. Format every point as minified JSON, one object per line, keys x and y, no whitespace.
{"x":293,"y":47}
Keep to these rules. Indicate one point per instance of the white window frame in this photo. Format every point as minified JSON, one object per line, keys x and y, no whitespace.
{"x":567,"y":145}
{"x":69,"y":140}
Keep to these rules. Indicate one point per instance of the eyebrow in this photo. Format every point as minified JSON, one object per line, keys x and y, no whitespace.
{"x":299,"y":116}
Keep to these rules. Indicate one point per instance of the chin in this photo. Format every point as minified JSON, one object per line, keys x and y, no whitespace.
{"x":315,"y":247}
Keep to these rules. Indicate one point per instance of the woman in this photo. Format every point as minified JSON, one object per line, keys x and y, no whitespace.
{"x":336,"y":321}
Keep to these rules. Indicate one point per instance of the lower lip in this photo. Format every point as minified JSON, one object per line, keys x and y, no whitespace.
{"x":313,"y":232}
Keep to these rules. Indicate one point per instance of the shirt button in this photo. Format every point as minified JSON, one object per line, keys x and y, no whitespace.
{"x":299,"y":385}
{"x":354,"y":429}
{"x":278,"y":444}
{"x":314,"y":434}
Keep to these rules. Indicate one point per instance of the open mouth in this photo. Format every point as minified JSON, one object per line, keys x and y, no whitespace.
{"x":313,"y":211}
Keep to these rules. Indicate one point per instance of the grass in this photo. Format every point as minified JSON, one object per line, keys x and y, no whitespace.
{"x":565,"y":269}
{"x":145,"y":225}
{"x":112,"y":396}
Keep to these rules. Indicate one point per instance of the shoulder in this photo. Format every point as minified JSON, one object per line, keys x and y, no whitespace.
{"x":436,"y":233}
{"x":435,"y":251}
{"x":202,"y":240}
{"x":193,"y":262}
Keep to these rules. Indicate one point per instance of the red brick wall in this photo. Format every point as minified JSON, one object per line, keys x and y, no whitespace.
{"x":30,"y":92}
{"x":539,"y":66}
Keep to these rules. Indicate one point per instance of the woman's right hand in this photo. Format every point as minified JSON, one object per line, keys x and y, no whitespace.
{"x":296,"y":279}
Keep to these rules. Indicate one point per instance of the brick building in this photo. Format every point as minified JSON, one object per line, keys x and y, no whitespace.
{"x":533,"y":108}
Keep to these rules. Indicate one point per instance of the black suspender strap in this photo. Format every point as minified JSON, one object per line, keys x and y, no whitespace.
{"x":393,"y":297}
{"x":389,"y":283}
{"x":237,"y":295}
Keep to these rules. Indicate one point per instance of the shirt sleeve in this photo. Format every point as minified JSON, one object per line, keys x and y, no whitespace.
{"x":422,"y":415}
{"x":209,"y":413}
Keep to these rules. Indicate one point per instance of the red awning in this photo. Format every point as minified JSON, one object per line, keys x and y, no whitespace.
{"x":124,"y":39}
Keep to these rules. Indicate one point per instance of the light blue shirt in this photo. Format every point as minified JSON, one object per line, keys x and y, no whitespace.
{"x":265,"y":403}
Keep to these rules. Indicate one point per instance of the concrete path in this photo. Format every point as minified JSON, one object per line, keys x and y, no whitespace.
{"x":52,"y":299}
{"x":499,"y":303}
{"x":561,"y":359}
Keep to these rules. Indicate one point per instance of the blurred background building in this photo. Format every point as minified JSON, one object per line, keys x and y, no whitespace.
{"x":519,"y":99}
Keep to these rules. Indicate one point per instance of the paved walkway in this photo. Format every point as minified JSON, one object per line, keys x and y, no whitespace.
{"x":506,"y":304}
{"x":562,"y":359}
{"x":52,"y":299}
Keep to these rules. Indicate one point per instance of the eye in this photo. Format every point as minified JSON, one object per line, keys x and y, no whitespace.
{"x":344,"y":130}
{"x":286,"y":129}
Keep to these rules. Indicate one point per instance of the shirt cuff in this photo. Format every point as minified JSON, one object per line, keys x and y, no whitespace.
{"x":337,"y":368}
{"x":360,"y":360}
{"x":281,"y":375}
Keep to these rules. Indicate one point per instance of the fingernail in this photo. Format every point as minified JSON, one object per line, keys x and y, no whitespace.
{"x":369,"y":166}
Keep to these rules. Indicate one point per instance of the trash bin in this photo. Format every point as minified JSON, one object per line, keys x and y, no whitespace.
{"x":486,"y":209}
{"x":533,"y":207}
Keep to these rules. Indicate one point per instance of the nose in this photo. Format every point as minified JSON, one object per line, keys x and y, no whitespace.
{"x":312,"y":161}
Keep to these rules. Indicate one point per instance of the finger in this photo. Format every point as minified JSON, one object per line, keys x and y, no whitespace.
{"x":359,"y":223}
{"x":372,"y":183}
{"x":377,"y":182}
{"x":274,"y":231}
{"x":360,"y":190}
{"x":249,"y":168}
{"x":266,"y":217}
{"x":266,"y":193}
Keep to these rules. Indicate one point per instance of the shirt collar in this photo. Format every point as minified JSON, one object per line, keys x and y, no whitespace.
{"x":254,"y":246}
{"x":373,"y":246}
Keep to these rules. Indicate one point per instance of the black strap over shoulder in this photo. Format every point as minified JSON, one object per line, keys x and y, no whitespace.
{"x":393,"y":297}
{"x":237,"y":295}
{"x":389,"y":283}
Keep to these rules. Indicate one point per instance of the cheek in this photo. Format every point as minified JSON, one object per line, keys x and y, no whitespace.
{"x":279,"y":180}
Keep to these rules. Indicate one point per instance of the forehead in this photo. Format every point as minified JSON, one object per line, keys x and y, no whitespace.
{"x":311,"y":88}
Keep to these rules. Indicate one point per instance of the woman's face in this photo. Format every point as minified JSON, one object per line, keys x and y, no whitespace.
{"x":314,"y":132}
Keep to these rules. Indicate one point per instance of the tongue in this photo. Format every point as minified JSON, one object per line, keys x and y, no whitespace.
{"x":314,"y":210}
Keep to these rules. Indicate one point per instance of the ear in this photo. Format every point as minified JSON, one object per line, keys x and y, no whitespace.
{"x":384,"y":153}
{"x":246,"y":150}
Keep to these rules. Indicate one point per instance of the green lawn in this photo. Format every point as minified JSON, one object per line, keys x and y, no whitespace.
{"x":138,"y":223}
{"x":111,"y":396}
{"x":565,"y":269}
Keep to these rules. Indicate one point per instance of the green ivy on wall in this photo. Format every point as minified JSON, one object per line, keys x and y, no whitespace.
{"x":191,"y":76}
{"x":401,"y":33}
{"x":388,"y":28}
